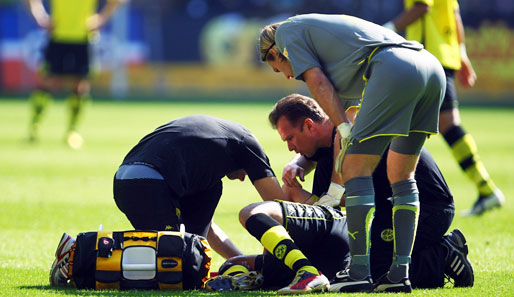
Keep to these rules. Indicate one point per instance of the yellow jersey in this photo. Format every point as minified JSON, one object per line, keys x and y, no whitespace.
{"x":437,"y":30}
{"x":69,"y":19}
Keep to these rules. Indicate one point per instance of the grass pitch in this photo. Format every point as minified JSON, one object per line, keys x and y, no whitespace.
{"x":47,"y":189}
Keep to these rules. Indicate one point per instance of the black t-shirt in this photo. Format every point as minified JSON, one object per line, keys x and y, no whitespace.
{"x":432,"y":186}
{"x":194,"y":153}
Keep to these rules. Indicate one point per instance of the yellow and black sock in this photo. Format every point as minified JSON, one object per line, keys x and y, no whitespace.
{"x":39,"y":100}
{"x":275,"y":239}
{"x":465,"y":151}
{"x":76,"y":105}
{"x":233,"y":270}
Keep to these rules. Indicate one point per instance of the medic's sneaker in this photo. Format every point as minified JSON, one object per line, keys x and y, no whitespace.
{"x":306,"y":282}
{"x":59,"y":270}
{"x":458,"y":267}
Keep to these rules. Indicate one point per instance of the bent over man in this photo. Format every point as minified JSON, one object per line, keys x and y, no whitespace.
{"x":173,"y":176}
{"x":343,"y":59}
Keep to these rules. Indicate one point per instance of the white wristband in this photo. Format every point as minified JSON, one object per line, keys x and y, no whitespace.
{"x":335,"y":190}
{"x":344,"y":129}
{"x":463,"y":52}
{"x":390,"y":25}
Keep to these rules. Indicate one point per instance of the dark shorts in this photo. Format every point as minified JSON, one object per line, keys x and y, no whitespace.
{"x":67,"y":58}
{"x":450,"y":97}
{"x":428,"y":255}
{"x":150,"y":204}
{"x":320,"y":233}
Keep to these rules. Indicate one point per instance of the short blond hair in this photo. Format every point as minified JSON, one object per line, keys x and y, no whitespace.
{"x":267,"y":41}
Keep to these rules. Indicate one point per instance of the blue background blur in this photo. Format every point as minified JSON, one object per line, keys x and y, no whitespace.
{"x":207,"y":49}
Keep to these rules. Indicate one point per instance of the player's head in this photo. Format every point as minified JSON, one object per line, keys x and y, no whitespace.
{"x":299,"y":120}
{"x":270,"y":53}
{"x":296,"y":108}
{"x":267,"y":43}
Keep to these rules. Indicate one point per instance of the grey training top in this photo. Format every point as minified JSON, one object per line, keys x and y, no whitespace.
{"x":338,"y":44}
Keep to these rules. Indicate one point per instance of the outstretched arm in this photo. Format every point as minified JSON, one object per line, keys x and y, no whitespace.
{"x":269,"y":188}
{"x":220,"y":242}
{"x":325,"y":94}
{"x":466,"y":74}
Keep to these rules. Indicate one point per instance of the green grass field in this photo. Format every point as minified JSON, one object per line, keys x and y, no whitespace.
{"x":47,"y":189}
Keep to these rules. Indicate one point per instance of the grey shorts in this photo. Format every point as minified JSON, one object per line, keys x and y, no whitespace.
{"x":403,"y":94}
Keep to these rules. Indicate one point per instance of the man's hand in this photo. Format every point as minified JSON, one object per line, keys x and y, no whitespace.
{"x":333,"y":197}
{"x":345,"y":132}
{"x":98,"y":20}
{"x":291,"y":171}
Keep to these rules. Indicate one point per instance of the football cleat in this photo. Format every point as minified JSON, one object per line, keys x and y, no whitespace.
{"x":306,"y":282}
{"x":59,"y":269}
{"x":344,"y":283}
{"x":245,"y":281}
{"x":485,"y":203}
{"x":458,"y":267}
{"x":384,"y":284}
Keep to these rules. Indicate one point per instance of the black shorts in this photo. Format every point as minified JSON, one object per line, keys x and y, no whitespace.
{"x":150,"y":204}
{"x":320,"y":233}
{"x":450,"y":97}
{"x":67,"y":58}
{"x":428,"y":255}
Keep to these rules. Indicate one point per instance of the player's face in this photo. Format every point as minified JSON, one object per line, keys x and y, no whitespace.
{"x":299,"y":139}
{"x":281,"y":65}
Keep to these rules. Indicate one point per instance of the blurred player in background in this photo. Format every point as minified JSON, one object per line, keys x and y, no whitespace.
{"x":70,"y":25}
{"x":343,"y":59}
{"x":438,"y":25}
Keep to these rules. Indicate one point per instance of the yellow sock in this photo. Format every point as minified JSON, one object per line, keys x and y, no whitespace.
{"x":235,"y":269}
{"x":465,"y":152}
{"x":76,"y":105}
{"x":39,"y":100}
{"x":277,"y":240}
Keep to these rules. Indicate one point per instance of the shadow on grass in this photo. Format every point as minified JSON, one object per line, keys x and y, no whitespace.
{"x":72,"y":291}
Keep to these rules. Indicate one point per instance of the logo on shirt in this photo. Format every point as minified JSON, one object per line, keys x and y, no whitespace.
{"x":285,"y":53}
{"x":387,"y":235}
